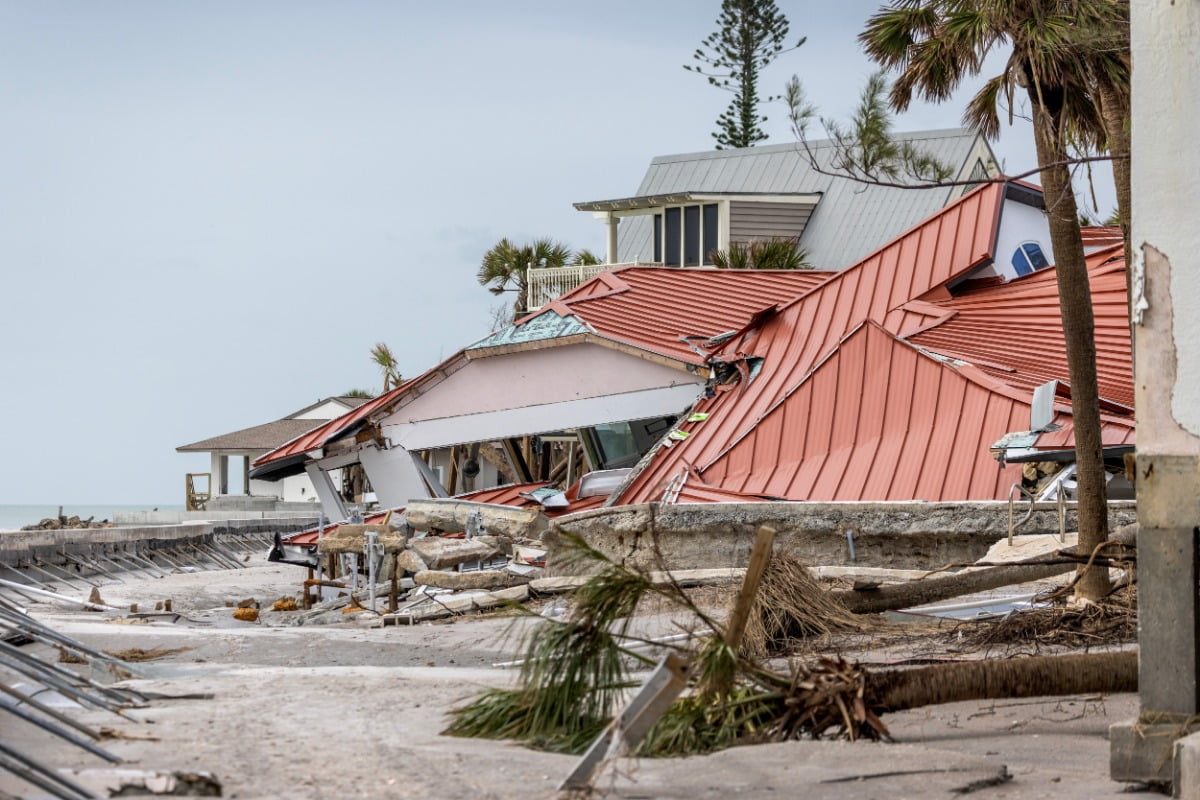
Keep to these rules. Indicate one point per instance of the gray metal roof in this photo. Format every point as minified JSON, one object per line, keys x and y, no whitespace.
{"x":851,"y":220}
{"x":549,"y":325}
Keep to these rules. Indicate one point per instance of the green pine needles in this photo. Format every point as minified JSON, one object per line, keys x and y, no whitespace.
{"x":750,"y":35}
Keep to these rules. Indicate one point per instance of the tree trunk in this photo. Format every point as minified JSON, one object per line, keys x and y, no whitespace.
{"x":933,"y":590}
{"x":1039,"y":676}
{"x":1075,"y":301}
{"x":1114,"y":110}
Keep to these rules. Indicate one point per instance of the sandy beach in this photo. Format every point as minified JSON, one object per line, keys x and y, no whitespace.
{"x":346,"y":710}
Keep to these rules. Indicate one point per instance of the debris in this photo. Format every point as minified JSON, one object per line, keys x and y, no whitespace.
{"x":138,"y":654}
{"x":439,"y":553}
{"x":430,"y":606}
{"x":114,"y":733}
{"x":285,"y":604}
{"x":142,"y":783}
{"x":791,"y":605}
{"x":249,"y":602}
{"x":409,"y":561}
{"x":246,"y":614}
{"x":476,"y":579}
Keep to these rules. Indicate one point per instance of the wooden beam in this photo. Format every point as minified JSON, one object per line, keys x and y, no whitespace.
{"x":735,"y":629}
{"x":630,"y":727}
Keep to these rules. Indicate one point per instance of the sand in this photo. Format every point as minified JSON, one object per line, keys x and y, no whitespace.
{"x":348,"y":711}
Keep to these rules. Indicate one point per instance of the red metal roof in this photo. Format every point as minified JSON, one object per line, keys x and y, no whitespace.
{"x":319,"y":436}
{"x":1102,"y":236}
{"x":842,"y":408}
{"x":793,"y":341}
{"x":895,"y":424}
{"x":1014,"y":331}
{"x":653,"y":308}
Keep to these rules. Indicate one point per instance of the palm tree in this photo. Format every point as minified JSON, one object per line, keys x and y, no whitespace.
{"x":934,"y":44}
{"x":773,"y":253}
{"x":381,"y":354}
{"x":503,"y":268}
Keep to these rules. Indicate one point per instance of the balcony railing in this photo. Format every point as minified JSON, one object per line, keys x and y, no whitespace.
{"x":544,"y":285}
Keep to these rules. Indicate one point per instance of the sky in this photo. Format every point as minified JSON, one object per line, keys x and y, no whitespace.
{"x":212,"y":210}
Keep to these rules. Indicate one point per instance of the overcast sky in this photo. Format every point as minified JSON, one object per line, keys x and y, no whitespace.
{"x":212,"y":210}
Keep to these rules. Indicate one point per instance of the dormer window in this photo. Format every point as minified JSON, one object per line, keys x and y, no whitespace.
{"x":686,"y":236}
{"x":688,"y":226}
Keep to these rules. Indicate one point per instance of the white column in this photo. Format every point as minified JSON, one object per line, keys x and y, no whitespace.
{"x":612,"y":220}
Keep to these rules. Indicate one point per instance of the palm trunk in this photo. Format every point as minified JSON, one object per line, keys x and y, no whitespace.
{"x":1075,"y":302}
{"x":1114,"y":110}
{"x":1040,"y":676}
{"x":933,"y":590}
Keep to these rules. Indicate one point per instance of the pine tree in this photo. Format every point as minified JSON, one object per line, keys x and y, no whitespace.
{"x":751,"y":34}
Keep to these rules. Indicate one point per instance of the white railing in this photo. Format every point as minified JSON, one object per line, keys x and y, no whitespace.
{"x":544,"y":285}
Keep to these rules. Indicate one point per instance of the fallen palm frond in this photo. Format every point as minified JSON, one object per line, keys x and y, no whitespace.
{"x":575,"y":674}
{"x":1110,"y":620}
{"x":792,"y":605}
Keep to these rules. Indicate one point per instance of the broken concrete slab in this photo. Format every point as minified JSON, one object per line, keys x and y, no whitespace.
{"x":903,"y":535}
{"x":446,"y":605}
{"x":451,"y":515}
{"x":409,"y":561}
{"x":439,"y":553}
{"x":475,"y":579}
{"x":350,"y":538}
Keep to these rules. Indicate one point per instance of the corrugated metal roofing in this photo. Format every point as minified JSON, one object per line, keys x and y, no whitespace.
{"x":850,"y":221}
{"x":654,"y":308}
{"x":1014,"y":331}
{"x":894,"y":424}
{"x":843,"y":409}
{"x":319,"y":436}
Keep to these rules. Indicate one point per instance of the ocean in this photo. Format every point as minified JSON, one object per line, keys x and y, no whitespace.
{"x":15,"y":517}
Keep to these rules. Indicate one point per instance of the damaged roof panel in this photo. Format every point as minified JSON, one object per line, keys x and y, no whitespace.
{"x":654,"y":308}
{"x":834,"y":415}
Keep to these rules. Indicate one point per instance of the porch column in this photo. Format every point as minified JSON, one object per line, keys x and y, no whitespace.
{"x":219,"y":467}
{"x":246,"y":457}
{"x":1165,"y":266}
{"x":612,"y":221}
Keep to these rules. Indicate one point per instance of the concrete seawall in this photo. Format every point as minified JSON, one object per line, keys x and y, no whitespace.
{"x":904,"y":535}
{"x":57,"y":548}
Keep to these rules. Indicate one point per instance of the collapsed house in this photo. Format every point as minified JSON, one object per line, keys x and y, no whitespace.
{"x":890,"y":380}
{"x":600,"y":374}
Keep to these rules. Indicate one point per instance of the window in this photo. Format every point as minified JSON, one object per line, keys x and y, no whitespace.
{"x":686,"y":235}
{"x":671,"y":245}
{"x":691,"y":236}
{"x":1028,"y":257}
{"x":710,"y":232}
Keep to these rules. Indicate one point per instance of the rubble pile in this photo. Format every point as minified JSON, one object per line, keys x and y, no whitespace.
{"x":63,"y":522}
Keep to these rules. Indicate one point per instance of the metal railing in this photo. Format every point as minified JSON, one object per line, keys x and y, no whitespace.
{"x":544,"y":285}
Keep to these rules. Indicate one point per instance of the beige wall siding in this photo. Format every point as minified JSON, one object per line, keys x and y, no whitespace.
{"x":749,"y":220}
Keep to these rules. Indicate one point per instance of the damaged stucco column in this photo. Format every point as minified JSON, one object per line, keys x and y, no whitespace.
{"x":1165,"y":268}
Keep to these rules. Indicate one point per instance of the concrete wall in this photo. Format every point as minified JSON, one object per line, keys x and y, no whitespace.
{"x":910,"y":535}
{"x":16,"y":546}
{"x":141,"y":518}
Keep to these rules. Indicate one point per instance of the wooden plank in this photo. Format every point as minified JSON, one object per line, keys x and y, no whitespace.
{"x":629,"y":727}
{"x":759,"y":556}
